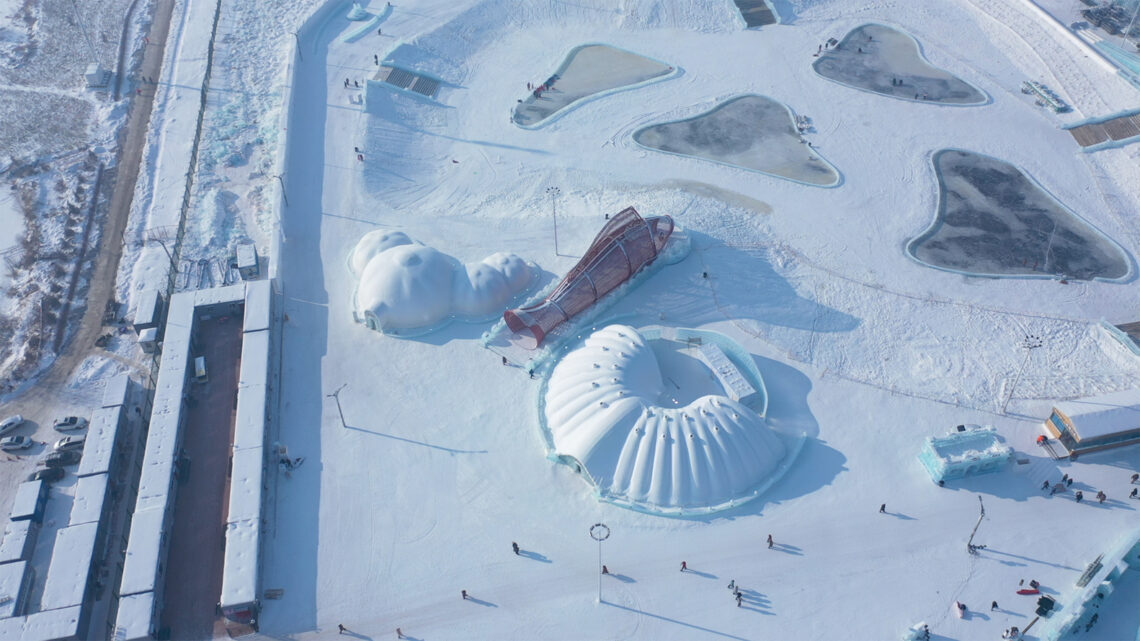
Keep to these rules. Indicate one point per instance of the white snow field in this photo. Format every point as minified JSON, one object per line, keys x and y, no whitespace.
{"x":440,"y":463}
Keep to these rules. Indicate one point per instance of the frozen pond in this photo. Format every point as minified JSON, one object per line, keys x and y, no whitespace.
{"x":994,"y":220}
{"x":752,"y":132}
{"x":588,"y":70}
{"x":886,"y":61}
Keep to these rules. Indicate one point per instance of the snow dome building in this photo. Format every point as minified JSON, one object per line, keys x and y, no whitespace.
{"x":611,"y":414}
{"x":408,"y":288}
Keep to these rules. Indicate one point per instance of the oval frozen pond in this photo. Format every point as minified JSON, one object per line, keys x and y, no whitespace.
{"x":587,"y":70}
{"x":994,"y":220}
{"x":752,"y":132}
{"x":888,"y":62}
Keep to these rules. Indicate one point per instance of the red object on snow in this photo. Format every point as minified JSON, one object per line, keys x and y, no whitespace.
{"x":1040,"y":439}
{"x":1029,"y":591}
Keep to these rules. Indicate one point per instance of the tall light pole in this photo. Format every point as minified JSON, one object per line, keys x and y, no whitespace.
{"x":1030,"y":343}
{"x":599,"y":532}
{"x":284,"y":196}
{"x":554,"y":192}
{"x":336,"y":396}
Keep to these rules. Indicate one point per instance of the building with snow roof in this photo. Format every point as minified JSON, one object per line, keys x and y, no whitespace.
{"x":1097,"y":422}
{"x":965,"y":452}
{"x":650,"y":424}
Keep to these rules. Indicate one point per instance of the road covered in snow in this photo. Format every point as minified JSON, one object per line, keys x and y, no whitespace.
{"x":439,"y":464}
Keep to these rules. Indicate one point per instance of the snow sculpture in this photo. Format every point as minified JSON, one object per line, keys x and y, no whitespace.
{"x":626,"y":244}
{"x":603,"y":412}
{"x":976,"y":450}
{"x":357,"y":12}
{"x":408,"y":288}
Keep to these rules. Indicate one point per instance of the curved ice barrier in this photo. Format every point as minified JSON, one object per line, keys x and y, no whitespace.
{"x":888,"y":62}
{"x":751,"y":132}
{"x":994,"y":220}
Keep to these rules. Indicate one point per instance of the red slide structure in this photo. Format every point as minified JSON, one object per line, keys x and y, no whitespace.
{"x":626,"y":244}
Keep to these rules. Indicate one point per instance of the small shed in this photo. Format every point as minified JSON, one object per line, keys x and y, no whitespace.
{"x":31,"y":498}
{"x":1097,"y":422}
{"x":247,"y":261}
{"x":96,"y":76}
{"x":968,"y":451}
{"x":149,"y":311}
{"x":148,"y":340}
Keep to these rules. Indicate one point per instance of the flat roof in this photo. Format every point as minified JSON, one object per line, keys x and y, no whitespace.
{"x":115,"y":390}
{"x":136,"y":612}
{"x":27,"y":500}
{"x":13,"y":577}
{"x":1100,"y":416}
{"x":19,"y":541}
{"x":249,"y":421}
{"x":102,"y":433}
{"x":50,"y":624}
{"x":258,"y":306}
{"x":90,"y":496}
{"x":246,"y":484}
{"x":246,"y":254}
{"x":241,"y":573}
{"x":68,"y":575}
{"x":146,"y":312}
{"x":144,"y":546}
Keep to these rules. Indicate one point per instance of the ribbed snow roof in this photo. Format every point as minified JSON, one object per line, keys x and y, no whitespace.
{"x":407,"y":285}
{"x":602,"y":410}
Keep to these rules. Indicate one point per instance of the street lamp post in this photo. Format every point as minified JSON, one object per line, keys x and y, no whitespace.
{"x":336,"y":397}
{"x":284,"y":196}
{"x":1030,"y":343}
{"x":599,"y":532}
{"x":554,"y":192}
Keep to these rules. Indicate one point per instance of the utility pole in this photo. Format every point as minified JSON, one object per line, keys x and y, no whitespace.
{"x":554,"y":192}
{"x":284,"y":196}
{"x":336,"y":396}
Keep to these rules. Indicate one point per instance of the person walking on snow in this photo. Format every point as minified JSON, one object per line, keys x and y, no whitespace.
{"x":605,"y":570}
{"x":684,"y":566}
{"x":993,"y":606}
{"x":1080,"y":496}
{"x":1135,"y":477}
{"x":883,"y":508}
{"x":732,"y":585}
{"x":376,"y":58}
{"x":1100,"y":497}
{"x":739,"y":598}
{"x":464,"y":593}
{"x":340,"y":629}
{"x":515,"y":547}
{"x":1045,"y":485}
{"x":770,"y":544}
{"x":399,"y":633}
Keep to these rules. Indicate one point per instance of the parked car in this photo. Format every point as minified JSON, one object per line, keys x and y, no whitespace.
{"x":62,"y":459}
{"x":15,"y":443}
{"x":73,"y":442}
{"x":11,"y":423}
{"x":49,"y":475}
{"x":69,"y":423}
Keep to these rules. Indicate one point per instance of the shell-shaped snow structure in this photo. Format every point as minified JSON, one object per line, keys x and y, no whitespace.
{"x":406,"y":287}
{"x":602,"y":410}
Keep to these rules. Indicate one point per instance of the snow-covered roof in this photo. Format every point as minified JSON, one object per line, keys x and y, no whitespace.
{"x":68,"y":576}
{"x":245,"y":484}
{"x":241,"y":575}
{"x":90,"y":496}
{"x":258,"y":306}
{"x":148,"y":311}
{"x":249,"y":428}
{"x":136,"y":614}
{"x":407,"y":285}
{"x":246,"y":254}
{"x":19,"y":541}
{"x":115,"y":390}
{"x":602,"y":409}
{"x":102,"y":433}
{"x":48,"y":625}
{"x":14,"y":580}
{"x":27,"y":500}
{"x":144,"y":547}
{"x":1099,"y":416}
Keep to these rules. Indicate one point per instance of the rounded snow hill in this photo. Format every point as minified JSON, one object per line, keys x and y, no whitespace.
{"x":612,"y":415}
{"x":407,"y":288}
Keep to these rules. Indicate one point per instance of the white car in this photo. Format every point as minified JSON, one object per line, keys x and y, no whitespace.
{"x":15,"y":443}
{"x":11,"y":423}
{"x":70,"y":443}
{"x":70,"y":423}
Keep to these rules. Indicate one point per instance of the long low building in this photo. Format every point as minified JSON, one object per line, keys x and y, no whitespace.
{"x":1097,"y":422}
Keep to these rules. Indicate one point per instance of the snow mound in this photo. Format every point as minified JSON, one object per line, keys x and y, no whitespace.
{"x":602,"y":410}
{"x":406,"y":287}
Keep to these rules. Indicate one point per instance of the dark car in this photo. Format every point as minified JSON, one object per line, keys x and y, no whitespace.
{"x":62,"y":459}
{"x":51,"y":474}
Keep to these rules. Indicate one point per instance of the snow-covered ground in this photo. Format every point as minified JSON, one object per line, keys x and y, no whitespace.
{"x":440,"y":465}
